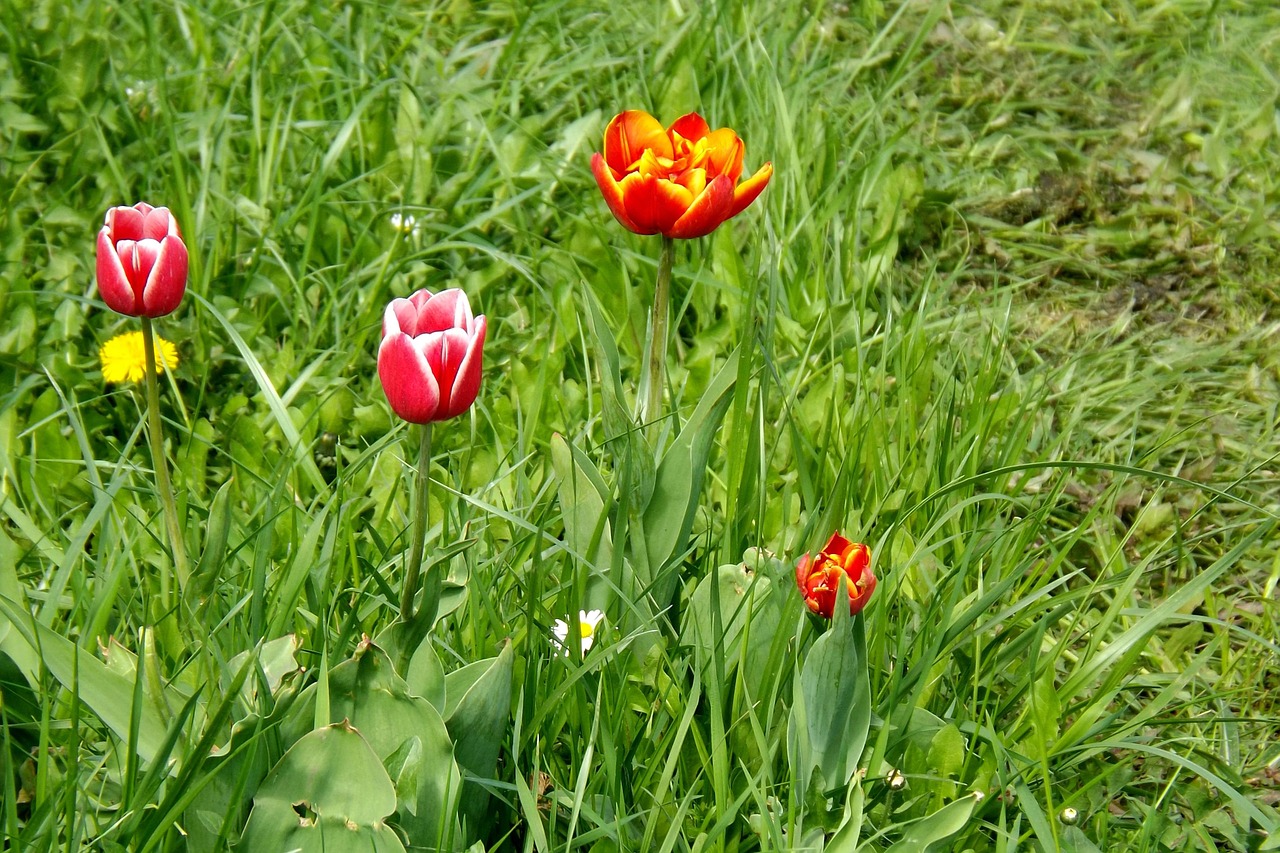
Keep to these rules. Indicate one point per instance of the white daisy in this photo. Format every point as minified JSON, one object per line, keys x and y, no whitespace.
{"x":404,"y":223}
{"x":588,"y":621}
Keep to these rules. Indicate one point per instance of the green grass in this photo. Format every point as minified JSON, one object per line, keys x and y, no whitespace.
{"x":1006,"y":312}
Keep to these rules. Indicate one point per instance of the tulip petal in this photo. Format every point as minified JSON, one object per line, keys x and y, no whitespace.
{"x":612,"y":192}
{"x":466,"y":381}
{"x":654,"y":204}
{"x":859,"y":600}
{"x":126,"y":223}
{"x":724,"y":153}
{"x":627,"y":137}
{"x":407,"y":380}
{"x":440,"y":312}
{"x":158,"y":223}
{"x":444,"y":351}
{"x":113,"y":284}
{"x":167,"y":279}
{"x":706,"y":212}
{"x":400,"y":317}
{"x":802,"y":570}
{"x":139,"y":259}
{"x":749,"y":189}
{"x":690,"y":126}
{"x":836,"y":544}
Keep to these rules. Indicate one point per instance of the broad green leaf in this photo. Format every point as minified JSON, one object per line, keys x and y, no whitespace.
{"x":946,"y":751}
{"x":108,"y":694}
{"x":217,"y":531}
{"x":367,"y":691}
{"x":276,"y":661}
{"x":328,"y":793}
{"x":743,"y":596}
{"x":678,"y":484}
{"x":938,"y":827}
{"x":478,"y":724}
{"x":632,"y":456}
{"x":585,"y":503}
{"x":845,"y":839}
{"x":831,"y":711}
{"x":12,"y":642}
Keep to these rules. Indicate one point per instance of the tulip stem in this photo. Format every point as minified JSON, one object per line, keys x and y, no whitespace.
{"x":413,"y":569}
{"x":658,"y":331}
{"x":156,"y":437}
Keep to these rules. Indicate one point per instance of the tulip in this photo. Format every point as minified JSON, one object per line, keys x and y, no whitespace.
{"x":142,"y":261}
{"x":681,"y":182}
{"x":430,"y":357}
{"x":840,"y":563}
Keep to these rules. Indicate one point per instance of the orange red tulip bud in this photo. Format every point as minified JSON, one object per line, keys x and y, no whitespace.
{"x":142,"y":261}
{"x":840,"y":565}
{"x":680,"y":182}
{"x":431,"y":355}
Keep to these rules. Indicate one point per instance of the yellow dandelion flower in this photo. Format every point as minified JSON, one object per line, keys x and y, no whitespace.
{"x":124,"y":357}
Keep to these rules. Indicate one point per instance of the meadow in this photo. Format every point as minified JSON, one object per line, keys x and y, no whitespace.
{"x":1006,"y":312}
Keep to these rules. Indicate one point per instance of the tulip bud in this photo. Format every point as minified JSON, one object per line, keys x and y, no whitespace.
{"x":431,"y":355}
{"x":840,"y":564}
{"x":142,"y":261}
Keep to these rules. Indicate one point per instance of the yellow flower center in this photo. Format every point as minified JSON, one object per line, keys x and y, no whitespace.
{"x":586,"y":629}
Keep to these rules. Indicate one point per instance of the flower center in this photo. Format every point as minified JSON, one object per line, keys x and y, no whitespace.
{"x":586,"y":629}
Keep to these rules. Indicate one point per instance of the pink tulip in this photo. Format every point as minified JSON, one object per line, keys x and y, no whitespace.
{"x":431,"y":355}
{"x":142,"y":261}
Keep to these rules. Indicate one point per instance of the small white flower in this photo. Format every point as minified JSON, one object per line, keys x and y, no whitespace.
{"x":588,"y":621}
{"x":404,"y":223}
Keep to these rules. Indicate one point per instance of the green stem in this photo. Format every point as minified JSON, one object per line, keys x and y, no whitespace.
{"x":658,"y":331}
{"x":155,"y":436}
{"x":413,"y":568}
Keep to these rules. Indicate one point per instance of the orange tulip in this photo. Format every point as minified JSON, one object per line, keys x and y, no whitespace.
{"x":840,"y":564}
{"x":680,"y":182}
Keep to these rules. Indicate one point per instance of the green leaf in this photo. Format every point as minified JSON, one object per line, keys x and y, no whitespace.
{"x":208,"y":570}
{"x":743,"y":595}
{"x":831,"y":711}
{"x":276,"y":661}
{"x":584,"y":504}
{"x":328,"y":793}
{"x":632,"y":455}
{"x":108,"y":694}
{"x":946,"y":751}
{"x":937,"y":827}
{"x":668,"y":518}
{"x":367,"y":691}
{"x":478,"y":725}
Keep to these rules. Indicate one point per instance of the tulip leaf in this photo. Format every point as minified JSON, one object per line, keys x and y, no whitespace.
{"x":938,"y":827}
{"x":831,"y":709}
{"x":217,"y":531}
{"x":845,"y":838}
{"x":328,"y":793}
{"x":276,"y":661}
{"x":12,"y":642}
{"x":425,"y":675}
{"x":743,"y":598}
{"x":617,"y":422}
{"x":109,"y":694}
{"x":632,"y":453}
{"x":367,"y":691}
{"x":478,"y":723}
{"x":668,"y":518}
{"x":584,"y":504}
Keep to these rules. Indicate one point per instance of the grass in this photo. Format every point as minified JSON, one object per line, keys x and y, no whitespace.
{"x":1006,"y":312}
